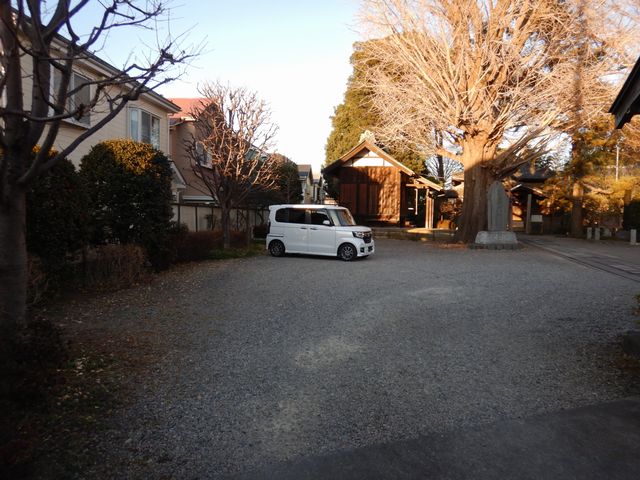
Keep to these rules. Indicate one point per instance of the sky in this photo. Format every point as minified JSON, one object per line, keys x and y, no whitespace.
{"x":294,"y":54}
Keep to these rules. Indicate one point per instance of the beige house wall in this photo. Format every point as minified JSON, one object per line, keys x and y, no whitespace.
{"x":115,"y":129}
{"x":181,"y":133}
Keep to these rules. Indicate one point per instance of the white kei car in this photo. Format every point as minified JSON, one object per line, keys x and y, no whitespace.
{"x":317,"y":230}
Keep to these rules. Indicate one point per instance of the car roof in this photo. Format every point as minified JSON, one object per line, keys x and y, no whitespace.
{"x":311,"y":206}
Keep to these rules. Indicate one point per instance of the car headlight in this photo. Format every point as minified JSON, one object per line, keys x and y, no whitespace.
{"x":360,"y":234}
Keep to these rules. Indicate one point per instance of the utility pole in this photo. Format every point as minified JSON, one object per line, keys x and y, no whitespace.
{"x":617,"y":160}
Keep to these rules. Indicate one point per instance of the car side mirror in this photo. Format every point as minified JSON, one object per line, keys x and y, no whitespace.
{"x":326,"y":222}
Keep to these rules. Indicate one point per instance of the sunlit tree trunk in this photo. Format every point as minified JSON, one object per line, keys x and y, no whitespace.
{"x":577,"y":192}
{"x":478,"y":176}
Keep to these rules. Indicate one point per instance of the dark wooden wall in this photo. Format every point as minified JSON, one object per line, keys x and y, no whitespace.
{"x":373,"y":193}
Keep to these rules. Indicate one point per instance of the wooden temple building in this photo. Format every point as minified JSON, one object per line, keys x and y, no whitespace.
{"x":378,"y":189}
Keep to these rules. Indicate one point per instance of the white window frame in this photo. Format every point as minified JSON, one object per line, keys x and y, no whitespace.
{"x":138,"y":135}
{"x":85,"y":120}
{"x":203,"y":157}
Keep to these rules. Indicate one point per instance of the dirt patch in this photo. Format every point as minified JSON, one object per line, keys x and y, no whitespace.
{"x":61,"y":397}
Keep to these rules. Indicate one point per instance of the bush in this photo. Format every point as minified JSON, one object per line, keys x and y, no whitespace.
{"x":129,"y":192}
{"x":238,"y":238}
{"x":115,"y":266}
{"x":56,"y":217}
{"x":631,"y":217}
{"x":37,"y":281}
{"x":260,"y":231}
{"x":195,"y":246}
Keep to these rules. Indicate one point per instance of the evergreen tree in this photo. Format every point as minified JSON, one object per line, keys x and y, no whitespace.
{"x":355,"y":115}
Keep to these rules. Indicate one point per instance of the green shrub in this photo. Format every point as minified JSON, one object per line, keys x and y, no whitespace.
{"x":631,"y":217}
{"x":129,"y":190}
{"x":56,"y":218}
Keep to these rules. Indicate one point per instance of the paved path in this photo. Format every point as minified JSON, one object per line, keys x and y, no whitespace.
{"x":615,"y":257}
{"x":267,"y":360}
{"x":589,"y":443}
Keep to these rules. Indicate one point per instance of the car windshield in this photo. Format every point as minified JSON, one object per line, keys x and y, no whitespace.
{"x":342,"y":216}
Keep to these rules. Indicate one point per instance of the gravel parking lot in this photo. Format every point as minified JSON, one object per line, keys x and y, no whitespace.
{"x":272,"y":359}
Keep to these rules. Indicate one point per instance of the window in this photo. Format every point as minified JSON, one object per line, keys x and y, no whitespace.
{"x":202,"y":154}
{"x":290,"y":215}
{"x":81,"y":97}
{"x":144,"y":127}
{"x":342,"y":216}
{"x":318,"y":217}
{"x":296,"y":215}
{"x":282,"y":215}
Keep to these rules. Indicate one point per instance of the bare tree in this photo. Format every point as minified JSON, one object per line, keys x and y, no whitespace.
{"x":35,"y":58}
{"x":230,"y":147}
{"x":492,"y":76}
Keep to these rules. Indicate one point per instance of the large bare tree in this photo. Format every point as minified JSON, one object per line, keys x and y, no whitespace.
{"x":491,"y":75}
{"x":230,"y":147}
{"x":35,"y":57}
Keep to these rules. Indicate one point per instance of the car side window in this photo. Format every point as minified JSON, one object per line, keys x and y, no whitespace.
{"x":282,"y":215}
{"x":318,"y":217}
{"x":296,"y":215}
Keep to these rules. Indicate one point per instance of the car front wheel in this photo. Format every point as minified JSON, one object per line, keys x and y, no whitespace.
{"x":347,"y":252}
{"x":276,"y":248}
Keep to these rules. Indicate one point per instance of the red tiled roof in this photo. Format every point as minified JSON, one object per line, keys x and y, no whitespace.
{"x":186,"y":106}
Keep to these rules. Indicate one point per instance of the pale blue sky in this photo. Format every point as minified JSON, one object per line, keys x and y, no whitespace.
{"x":295,"y":54}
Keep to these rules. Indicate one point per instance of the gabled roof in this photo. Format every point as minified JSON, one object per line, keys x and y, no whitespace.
{"x":428,"y":183}
{"x":627,"y":103}
{"x":187,"y":105}
{"x":304,"y":171}
{"x":90,"y":60}
{"x":367,"y":145}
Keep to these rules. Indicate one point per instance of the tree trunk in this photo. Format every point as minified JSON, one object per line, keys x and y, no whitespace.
{"x":477,"y":179}
{"x":473,"y":219}
{"x":13,"y":266}
{"x":225,"y":222}
{"x":440,"y":160}
{"x":248,"y":231}
{"x":576,"y":210}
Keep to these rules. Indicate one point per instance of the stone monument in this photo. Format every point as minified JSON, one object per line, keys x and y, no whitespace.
{"x":498,"y":235}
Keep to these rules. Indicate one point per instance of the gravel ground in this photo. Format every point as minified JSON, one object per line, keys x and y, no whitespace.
{"x":263,"y":360}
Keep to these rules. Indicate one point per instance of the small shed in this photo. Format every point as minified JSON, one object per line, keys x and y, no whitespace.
{"x":379,"y":189}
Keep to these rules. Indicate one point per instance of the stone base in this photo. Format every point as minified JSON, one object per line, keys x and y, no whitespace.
{"x":503,"y":240}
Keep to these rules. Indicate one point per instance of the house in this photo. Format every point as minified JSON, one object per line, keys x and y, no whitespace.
{"x":305,"y":175}
{"x":194,"y":205}
{"x":318,"y":190}
{"x":311,"y":186}
{"x":182,"y":130}
{"x":527,"y":196}
{"x":144,"y":120}
{"x":379,"y":189}
{"x":627,"y":103}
